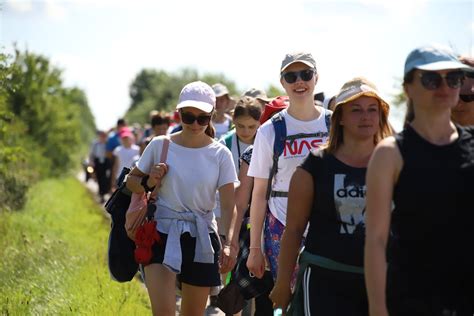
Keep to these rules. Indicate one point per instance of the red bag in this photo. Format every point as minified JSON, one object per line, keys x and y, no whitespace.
{"x":140,"y":202}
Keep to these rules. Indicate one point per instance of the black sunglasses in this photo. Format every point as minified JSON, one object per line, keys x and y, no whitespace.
{"x":432,"y":80}
{"x":189,"y":118}
{"x":292,"y":76}
{"x":467,"y":97}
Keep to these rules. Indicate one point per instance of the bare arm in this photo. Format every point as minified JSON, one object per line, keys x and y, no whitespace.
{"x":242,"y":198}
{"x":382,"y":174}
{"x":135,"y":176}
{"x":300,"y":201}
{"x":113,"y":172}
{"x":256,"y":261}
{"x":228,"y":215}
{"x":134,"y":179}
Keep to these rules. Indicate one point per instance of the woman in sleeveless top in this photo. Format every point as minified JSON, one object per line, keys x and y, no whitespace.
{"x":419,"y":200}
{"x":328,"y":191}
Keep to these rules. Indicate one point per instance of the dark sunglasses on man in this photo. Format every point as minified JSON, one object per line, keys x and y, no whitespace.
{"x":292,"y":76}
{"x":188,"y":118}
{"x":432,"y":80}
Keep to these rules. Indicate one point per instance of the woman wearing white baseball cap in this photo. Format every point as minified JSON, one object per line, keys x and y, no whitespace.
{"x":426,"y":173}
{"x":196,"y":167}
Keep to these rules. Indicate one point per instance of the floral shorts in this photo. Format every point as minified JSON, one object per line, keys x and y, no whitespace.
{"x":273,"y":231}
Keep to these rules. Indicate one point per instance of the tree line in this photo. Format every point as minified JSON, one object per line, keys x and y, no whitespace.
{"x":153,"y":89}
{"x":44,"y":126}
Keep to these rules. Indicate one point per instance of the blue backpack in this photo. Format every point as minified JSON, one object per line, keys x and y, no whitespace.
{"x":279,"y":125}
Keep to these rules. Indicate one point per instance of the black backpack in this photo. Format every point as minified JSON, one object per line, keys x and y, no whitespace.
{"x":121,"y":260}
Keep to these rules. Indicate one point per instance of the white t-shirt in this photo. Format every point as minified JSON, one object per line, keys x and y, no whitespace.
{"x":235,"y":157}
{"x":236,"y":148}
{"x":194,"y":174}
{"x":292,"y":156}
{"x":222,"y":128}
{"x":126,"y":157}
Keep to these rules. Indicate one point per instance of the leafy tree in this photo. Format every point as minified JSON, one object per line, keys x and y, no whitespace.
{"x":43,"y":125}
{"x":274,"y":91}
{"x":158,"y":90}
{"x":55,"y":117}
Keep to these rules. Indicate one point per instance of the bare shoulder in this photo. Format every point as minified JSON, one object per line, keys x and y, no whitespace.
{"x":387,"y":148}
{"x":386,"y":157}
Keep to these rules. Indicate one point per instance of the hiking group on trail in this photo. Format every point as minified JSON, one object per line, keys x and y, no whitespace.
{"x":298,"y":206}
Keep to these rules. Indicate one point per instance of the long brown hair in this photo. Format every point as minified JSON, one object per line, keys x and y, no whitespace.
{"x":210,"y":130}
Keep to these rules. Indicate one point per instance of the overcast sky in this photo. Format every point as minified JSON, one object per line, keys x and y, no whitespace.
{"x":101,"y":45}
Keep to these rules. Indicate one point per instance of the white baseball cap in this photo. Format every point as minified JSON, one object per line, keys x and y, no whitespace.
{"x":198,"y":95}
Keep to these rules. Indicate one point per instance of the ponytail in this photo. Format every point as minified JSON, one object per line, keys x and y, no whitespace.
{"x":210,"y":130}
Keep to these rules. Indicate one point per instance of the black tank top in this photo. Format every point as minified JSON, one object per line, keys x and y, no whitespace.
{"x":337,"y":220}
{"x":431,"y":242}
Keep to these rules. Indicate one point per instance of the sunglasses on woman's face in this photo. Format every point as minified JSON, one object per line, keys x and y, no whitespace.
{"x":432,"y":80}
{"x":188,"y":118}
{"x":292,"y":76}
{"x":467,"y":97}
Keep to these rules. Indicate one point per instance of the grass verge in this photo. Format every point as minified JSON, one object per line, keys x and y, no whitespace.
{"x":54,"y":257}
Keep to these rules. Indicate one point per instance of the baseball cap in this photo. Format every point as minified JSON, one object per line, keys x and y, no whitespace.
{"x":198,"y":95}
{"x":276,"y":105}
{"x":220,"y":89}
{"x":126,"y":133}
{"x":298,"y":57}
{"x":257,"y":94}
{"x":356,"y":88}
{"x":431,"y":58}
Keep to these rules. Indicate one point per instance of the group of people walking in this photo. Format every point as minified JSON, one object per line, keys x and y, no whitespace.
{"x":380,"y":224}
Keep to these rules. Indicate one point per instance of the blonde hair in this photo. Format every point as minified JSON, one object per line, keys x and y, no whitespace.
{"x":336,"y":135}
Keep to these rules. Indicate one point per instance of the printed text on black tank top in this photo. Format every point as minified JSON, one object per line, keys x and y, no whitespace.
{"x":349,"y":199}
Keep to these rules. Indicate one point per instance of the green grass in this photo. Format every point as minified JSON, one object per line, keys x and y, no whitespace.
{"x":54,"y":257}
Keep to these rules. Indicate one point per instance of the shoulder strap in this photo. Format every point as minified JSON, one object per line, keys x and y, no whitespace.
{"x":164,"y":155}
{"x":279,"y":125}
{"x":164,"y":150}
{"x":228,"y":139}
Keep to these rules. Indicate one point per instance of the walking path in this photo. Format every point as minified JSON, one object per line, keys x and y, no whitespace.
{"x":93,"y":188}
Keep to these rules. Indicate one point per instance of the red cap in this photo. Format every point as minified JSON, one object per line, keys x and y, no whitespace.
{"x":125,"y":132}
{"x":276,"y":105}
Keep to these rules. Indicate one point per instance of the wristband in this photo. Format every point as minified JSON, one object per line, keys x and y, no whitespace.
{"x":145,"y":185}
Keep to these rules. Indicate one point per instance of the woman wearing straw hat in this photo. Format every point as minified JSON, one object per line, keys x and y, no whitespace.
{"x":328,"y":191}
{"x":427,"y":173}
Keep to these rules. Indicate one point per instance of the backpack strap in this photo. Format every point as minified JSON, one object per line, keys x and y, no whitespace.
{"x":279,"y":125}
{"x":228,"y":138}
{"x":327,"y":117}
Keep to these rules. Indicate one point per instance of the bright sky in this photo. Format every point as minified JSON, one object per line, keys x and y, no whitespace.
{"x":102,"y":44}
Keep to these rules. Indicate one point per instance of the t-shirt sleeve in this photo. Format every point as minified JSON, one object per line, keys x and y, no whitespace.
{"x":115,"y":151}
{"x":111,"y":143}
{"x":147,"y":159}
{"x":310,"y":163}
{"x":262,"y":156}
{"x":227,"y":173}
{"x":247,"y":155}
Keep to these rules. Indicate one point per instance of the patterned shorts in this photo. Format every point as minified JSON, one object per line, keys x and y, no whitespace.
{"x":273,"y":231}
